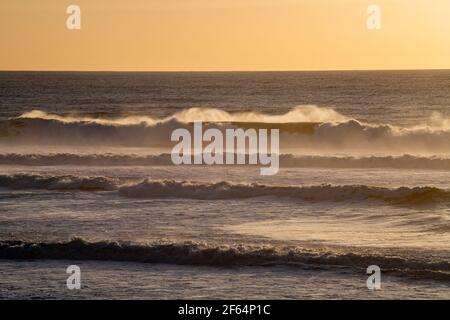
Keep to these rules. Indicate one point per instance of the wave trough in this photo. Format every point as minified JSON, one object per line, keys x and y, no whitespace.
{"x":286,"y":160}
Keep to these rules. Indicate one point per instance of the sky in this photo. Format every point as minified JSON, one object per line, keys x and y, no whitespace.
{"x":224,"y":35}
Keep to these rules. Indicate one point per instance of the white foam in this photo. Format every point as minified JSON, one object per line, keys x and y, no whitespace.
{"x":336,"y":131}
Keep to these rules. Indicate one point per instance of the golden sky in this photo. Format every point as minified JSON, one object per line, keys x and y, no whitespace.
{"x":183,"y":35}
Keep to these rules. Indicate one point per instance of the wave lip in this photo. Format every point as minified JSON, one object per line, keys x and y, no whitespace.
{"x":226,"y":190}
{"x":302,"y":113}
{"x":225,"y":256}
{"x":41,"y":128}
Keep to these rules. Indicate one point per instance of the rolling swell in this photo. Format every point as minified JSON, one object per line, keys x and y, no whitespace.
{"x":62,"y":183}
{"x":222,"y":256}
{"x":225,"y":190}
{"x":154,"y":189}
{"x":286,"y":160}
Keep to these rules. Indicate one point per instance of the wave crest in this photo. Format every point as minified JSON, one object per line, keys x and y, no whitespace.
{"x":304,"y":127}
{"x":221,"y":255}
{"x":227,"y":190}
{"x":305,"y":113}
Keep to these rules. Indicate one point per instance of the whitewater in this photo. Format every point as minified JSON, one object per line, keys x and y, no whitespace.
{"x":303,"y":127}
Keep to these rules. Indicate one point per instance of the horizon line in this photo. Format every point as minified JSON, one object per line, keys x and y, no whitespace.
{"x":224,"y":71}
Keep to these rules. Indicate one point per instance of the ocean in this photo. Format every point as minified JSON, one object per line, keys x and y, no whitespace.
{"x":86,"y":179}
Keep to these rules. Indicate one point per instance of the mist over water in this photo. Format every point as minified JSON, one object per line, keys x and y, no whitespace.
{"x":303,"y":127}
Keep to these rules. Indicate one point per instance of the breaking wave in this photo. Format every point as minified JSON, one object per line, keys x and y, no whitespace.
{"x":366,"y":162}
{"x":223,"y":256}
{"x":303,"y":127}
{"x":286,"y":160}
{"x":153,"y":189}
{"x":306,"y":113}
{"x":227,"y":190}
